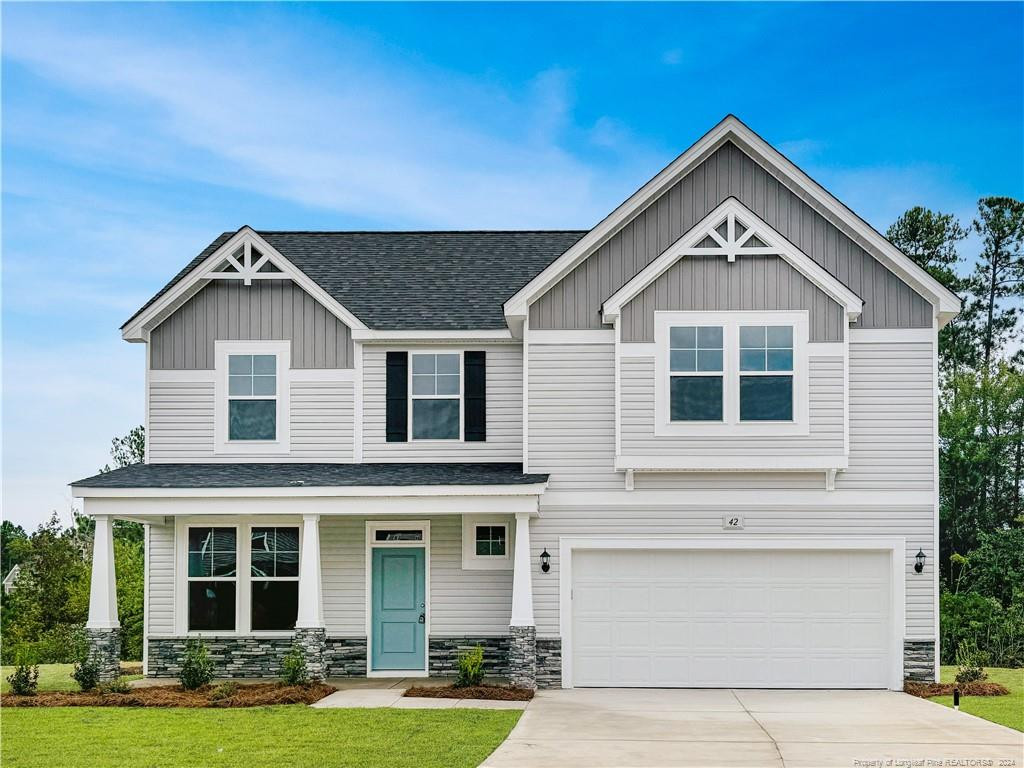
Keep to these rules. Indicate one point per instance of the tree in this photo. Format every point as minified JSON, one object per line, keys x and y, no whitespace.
{"x":15,"y":546}
{"x":128,"y":450}
{"x":999,"y":273}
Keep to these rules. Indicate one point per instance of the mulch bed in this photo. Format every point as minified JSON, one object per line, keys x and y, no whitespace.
{"x":980,"y":688}
{"x":255,"y":695}
{"x":493,"y":692}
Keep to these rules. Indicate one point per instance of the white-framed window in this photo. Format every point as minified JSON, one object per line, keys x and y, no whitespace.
{"x":238,"y":576}
{"x":487,"y":543}
{"x":720,"y":373}
{"x":252,"y":397}
{"x":435,"y":395}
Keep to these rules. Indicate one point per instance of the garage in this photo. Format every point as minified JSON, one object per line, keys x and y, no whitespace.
{"x":747,"y":617}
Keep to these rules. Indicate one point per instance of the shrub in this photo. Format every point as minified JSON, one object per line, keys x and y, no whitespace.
{"x":224,"y":691}
{"x":24,"y":680}
{"x":984,"y":623}
{"x":196,"y":666}
{"x":471,"y":667}
{"x":293,"y":667}
{"x":969,"y":662}
{"x":87,"y":672}
{"x":61,"y":644}
{"x":117,"y":685}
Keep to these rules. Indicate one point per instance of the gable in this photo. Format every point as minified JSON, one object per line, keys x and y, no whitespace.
{"x":575,"y":300}
{"x":268,"y":309}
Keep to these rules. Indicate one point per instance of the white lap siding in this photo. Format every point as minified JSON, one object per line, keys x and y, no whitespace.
{"x":160,"y":562}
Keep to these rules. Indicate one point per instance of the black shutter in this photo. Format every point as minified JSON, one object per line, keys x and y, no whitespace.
{"x":396,"y":420}
{"x":475,"y":392}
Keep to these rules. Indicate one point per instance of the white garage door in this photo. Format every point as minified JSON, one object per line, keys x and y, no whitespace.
{"x":731,"y":618}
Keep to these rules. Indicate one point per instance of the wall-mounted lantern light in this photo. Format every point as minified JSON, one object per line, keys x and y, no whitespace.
{"x":545,"y":561}
{"x":919,"y":564}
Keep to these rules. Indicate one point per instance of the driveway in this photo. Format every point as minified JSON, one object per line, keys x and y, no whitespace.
{"x":630,"y":728}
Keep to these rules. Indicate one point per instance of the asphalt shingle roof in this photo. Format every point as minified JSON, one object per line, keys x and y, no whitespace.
{"x":416,"y":280}
{"x":310,"y":475}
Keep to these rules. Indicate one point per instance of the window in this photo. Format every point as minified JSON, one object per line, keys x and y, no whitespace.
{"x":274,"y":574}
{"x":486,"y":543}
{"x":212,"y":578}
{"x":252,"y":397}
{"x":436,"y":396}
{"x":766,"y":373}
{"x":695,"y":352}
{"x":386,"y":534}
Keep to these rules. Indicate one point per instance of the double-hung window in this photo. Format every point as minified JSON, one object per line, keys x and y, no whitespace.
{"x":252,"y":397}
{"x":436,"y":399}
{"x":766,"y":373}
{"x":212,"y":578}
{"x":274,"y":575}
{"x":696,"y":370}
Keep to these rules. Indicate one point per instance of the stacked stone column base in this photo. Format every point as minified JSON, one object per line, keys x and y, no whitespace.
{"x":105,"y":649}
{"x":522,"y":656}
{"x":312,"y":641}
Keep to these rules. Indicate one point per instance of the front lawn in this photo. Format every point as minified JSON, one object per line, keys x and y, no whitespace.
{"x":57,"y":677}
{"x":272,"y":737}
{"x":1006,"y":710}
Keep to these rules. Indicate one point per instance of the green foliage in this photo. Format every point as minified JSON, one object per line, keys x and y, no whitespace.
{"x":970,"y":663}
{"x":223,"y":691}
{"x":14,"y":546}
{"x":117,"y":685}
{"x":87,"y":672}
{"x":293,"y":667}
{"x":196,"y":666}
{"x":983,"y":623}
{"x":471,"y":667}
{"x":25,"y":679}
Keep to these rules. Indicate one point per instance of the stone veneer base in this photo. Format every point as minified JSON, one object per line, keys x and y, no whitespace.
{"x":919,"y":660}
{"x":443,"y":655}
{"x":549,"y":662}
{"x":522,"y":656}
{"x":312,"y":641}
{"x":105,"y":647}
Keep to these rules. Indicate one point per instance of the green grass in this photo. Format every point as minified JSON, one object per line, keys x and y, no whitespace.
{"x":55,"y":677}
{"x":278,"y":737}
{"x":1006,"y":710}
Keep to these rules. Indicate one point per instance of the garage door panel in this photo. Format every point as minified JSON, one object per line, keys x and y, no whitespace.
{"x":735,"y":618}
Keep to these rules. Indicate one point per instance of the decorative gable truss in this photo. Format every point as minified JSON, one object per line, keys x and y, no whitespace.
{"x":733,"y":231}
{"x":247,"y":257}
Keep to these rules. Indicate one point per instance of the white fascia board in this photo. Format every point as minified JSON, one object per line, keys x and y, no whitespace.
{"x":766,"y":463}
{"x":947,"y":304}
{"x":732,"y":498}
{"x":777,"y":244}
{"x":369,"y":336}
{"x":287,"y":492}
{"x":138,"y":328}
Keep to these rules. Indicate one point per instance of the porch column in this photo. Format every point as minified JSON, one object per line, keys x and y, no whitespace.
{"x":522,"y":631}
{"x":102,"y":630}
{"x":310,"y":633}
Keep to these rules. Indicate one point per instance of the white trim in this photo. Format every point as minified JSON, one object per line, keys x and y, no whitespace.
{"x":891,"y":335}
{"x":731,"y":425}
{"x":617,"y":387}
{"x":321,"y":374}
{"x":573,"y":337}
{"x":370,"y":336}
{"x":330,"y":491}
{"x":731,"y":129}
{"x":637,"y":349}
{"x":471,"y":561}
{"x":826,"y":349}
{"x":145,"y":424}
{"x":139,"y":326}
{"x":357,"y":404}
{"x":760,"y":499}
{"x":103,"y":584}
{"x":203,"y":375}
{"x":709,"y":463}
{"x":281,"y":444}
{"x":310,"y":608}
{"x":732,"y":209}
{"x":146,"y":562}
{"x":896,"y":546}
{"x":526,"y":395}
{"x":522,"y":576}
{"x":424,"y":544}
{"x":935,"y":486}
{"x":411,"y":398}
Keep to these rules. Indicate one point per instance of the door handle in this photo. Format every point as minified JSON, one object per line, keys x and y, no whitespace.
{"x":423,"y":618}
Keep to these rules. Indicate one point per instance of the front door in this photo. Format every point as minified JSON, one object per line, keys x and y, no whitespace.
{"x":399,"y":608}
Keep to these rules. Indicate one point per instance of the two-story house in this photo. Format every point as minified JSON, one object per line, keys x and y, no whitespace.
{"x":692,"y":446}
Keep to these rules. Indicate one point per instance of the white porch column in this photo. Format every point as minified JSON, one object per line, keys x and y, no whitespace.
{"x":103,"y":588}
{"x":522,"y":584}
{"x":311,"y":608}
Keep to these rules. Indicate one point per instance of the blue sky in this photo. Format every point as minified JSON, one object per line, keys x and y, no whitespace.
{"x":133,"y":134}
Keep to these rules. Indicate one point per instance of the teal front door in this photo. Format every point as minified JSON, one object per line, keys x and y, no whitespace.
{"x":399,"y":608}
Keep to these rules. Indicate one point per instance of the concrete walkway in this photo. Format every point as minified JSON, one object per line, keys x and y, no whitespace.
{"x":634,"y":728}
{"x":363,"y":693}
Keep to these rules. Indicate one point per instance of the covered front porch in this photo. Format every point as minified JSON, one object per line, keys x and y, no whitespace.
{"x":368,"y":580}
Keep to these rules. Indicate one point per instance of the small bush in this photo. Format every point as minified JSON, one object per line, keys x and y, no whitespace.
{"x":471,"y":667}
{"x":87,"y":672}
{"x":196,"y":666}
{"x":970,"y":662}
{"x":293,"y":667}
{"x":117,"y":685}
{"x":24,"y":680}
{"x":224,"y":691}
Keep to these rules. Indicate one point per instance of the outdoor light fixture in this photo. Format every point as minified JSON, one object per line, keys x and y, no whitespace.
{"x":919,"y":565}
{"x":545,"y":561}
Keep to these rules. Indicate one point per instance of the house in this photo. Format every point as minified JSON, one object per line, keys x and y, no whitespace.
{"x":11,"y":579}
{"x":692,"y":446}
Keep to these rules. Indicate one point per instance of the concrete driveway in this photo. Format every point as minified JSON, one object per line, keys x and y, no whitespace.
{"x":594,"y":728}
